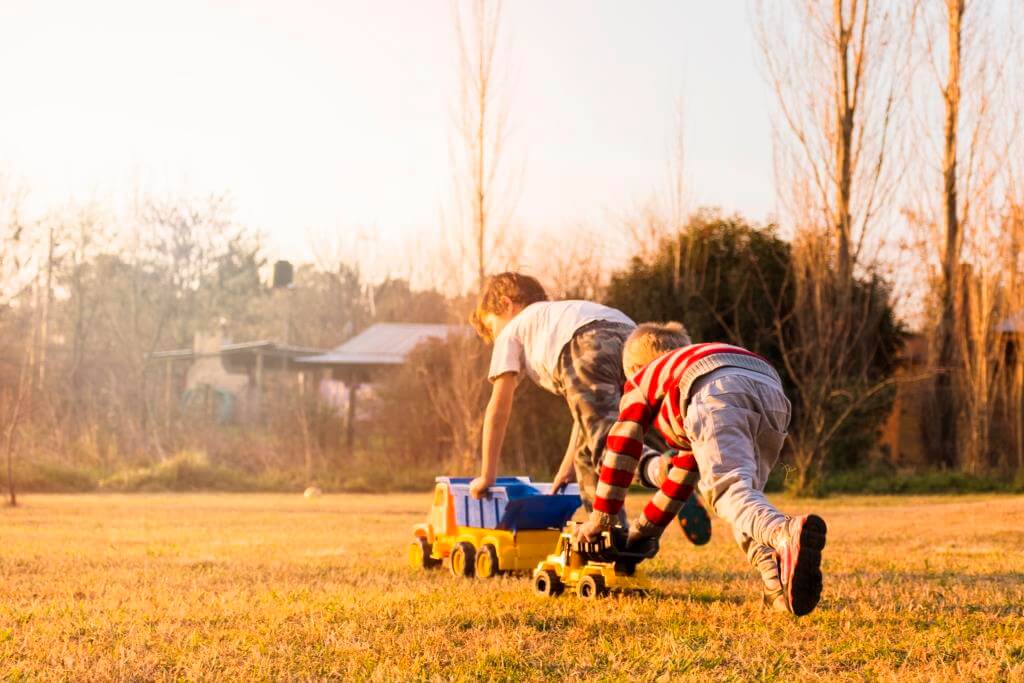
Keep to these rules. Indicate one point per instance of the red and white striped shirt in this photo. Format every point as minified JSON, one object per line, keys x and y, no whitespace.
{"x":657,"y":397}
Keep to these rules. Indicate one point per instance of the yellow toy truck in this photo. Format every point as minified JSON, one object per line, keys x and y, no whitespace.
{"x":510,"y":530}
{"x":593,"y":569}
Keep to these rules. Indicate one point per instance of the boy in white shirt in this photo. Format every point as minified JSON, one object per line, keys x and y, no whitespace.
{"x":570,"y":348}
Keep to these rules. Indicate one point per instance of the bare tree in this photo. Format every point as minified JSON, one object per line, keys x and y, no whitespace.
{"x":838,"y":71}
{"x":13,"y":259}
{"x":970,"y":59}
{"x":457,"y":390}
{"x":830,"y":342}
{"x":486,"y":191}
{"x":12,"y":407}
{"x":1011,"y":330}
{"x":947,"y":343}
{"x":572,"y":265}
{"x":677,"y":195}
{"x":664,"y":213}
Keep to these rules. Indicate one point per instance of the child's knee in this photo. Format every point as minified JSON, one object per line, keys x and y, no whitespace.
{"x":724,"y":491}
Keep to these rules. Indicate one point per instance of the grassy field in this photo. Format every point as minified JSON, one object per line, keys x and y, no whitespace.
{"x":226,"y":586}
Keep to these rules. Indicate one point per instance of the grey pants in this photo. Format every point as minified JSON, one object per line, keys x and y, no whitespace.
{"x":737,"y":426}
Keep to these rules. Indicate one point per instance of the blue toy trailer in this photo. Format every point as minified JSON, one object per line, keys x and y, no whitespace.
{"x":514,"y":527}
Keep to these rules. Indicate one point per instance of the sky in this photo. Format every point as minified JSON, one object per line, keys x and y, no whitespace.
{"x":332,"y":120}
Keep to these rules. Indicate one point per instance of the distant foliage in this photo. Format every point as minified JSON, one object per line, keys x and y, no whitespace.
{"x":725,"y":279}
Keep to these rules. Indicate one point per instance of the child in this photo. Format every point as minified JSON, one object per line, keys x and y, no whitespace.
{"x":723,"y":407}
{"x":570,"y":348}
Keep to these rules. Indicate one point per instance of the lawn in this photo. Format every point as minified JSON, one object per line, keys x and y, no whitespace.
{"x":230,"y":586}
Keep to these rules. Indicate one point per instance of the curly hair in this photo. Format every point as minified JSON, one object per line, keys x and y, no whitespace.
{"x":521,"y":290}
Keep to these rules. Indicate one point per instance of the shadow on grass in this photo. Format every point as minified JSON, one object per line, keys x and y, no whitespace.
{"x":705,"y":575}
{"x":950,"y":593}
{"x":948,"y":578}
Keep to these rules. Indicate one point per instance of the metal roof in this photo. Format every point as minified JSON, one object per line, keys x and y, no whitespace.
{"x":1015,"y":323}
{"x":267,"y":347}
{"x":382,"y":344}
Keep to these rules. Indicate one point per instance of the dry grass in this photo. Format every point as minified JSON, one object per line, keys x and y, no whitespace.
{"x":272,"y":586}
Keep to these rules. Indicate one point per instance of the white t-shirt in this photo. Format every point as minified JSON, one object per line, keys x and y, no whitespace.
{"x":533,"y":340}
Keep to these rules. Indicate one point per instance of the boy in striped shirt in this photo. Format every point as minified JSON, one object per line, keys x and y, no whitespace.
{"x":724,"y":409}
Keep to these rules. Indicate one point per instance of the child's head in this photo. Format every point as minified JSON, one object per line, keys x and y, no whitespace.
{"x":502,"y":297}
{"x":650,"y":340}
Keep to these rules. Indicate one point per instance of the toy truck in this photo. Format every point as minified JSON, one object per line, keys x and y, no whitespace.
{"x":593,"y":569}
{"x":515,"y":526}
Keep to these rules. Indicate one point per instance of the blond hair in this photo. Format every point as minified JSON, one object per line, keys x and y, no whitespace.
{"x":650,"y":340}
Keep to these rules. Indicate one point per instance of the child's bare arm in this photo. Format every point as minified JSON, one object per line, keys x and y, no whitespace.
{"x":566,"y":471}
{"x":499,"y":409}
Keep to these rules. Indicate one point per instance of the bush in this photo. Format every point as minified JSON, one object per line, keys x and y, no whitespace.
{"x":53,"y":478}
{"x":725,"y":279}
{"x":185,"y":471}
{"x":883,"y":480}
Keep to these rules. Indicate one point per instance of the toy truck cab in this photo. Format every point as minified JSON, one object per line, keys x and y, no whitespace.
{"x":510,"y":530}
{"x":592,"y":569}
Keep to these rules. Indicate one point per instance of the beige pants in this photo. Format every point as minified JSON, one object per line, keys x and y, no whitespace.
{"x":737,"y":425}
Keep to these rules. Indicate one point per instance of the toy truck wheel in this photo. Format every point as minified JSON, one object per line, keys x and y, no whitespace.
{"x":547,"y":583}
{"x":591,"y":587}
{"x":487,"y":562}
{"x":419,"y":554}
{"x":463,"y":559}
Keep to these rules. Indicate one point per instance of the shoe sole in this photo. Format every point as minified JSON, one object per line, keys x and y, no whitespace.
{"x":806,"y":583}
{"x":694,"y":522}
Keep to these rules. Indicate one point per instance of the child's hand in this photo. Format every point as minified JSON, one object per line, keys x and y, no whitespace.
{"x":634,"y":536}
{"x":478,"y":487}
{"x":643,"y":537}
{"x":589,"y":531}
{"x":561,"y":480}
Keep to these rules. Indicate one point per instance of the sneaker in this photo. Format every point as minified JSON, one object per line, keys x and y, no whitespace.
{"x":766,"y":562}
{"x":694,"y":521}
{"x":799,"y":544}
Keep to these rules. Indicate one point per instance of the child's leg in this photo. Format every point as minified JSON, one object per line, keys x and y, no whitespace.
{"x":766,"y":563}
{"x":590,"y":378}
{"x":736,"y":426}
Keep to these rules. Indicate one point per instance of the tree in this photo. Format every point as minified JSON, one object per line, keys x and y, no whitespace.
{"x":1011,"y":331}
{"x":734,"y":278}
{"x":432,"y":407}
{"x":483,"y":187}
{"x":838,"y":71}
{"x":971,"y":54}
{"x":947,"y":343}
{"x":838,"y":76}
{"x":12,"y":259}
{"x":395,"y":301}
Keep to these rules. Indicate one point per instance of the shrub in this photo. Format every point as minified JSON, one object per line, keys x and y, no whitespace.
{"x":884,"y":480}
{"x":48,"y":477}
{"x":185,"y":471}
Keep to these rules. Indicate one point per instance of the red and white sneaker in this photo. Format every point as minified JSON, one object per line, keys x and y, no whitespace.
{"x":799,"y":544}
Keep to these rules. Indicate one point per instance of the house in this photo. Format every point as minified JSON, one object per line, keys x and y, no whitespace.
{"x":378,"y":348}
{"x":228,"y":377}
